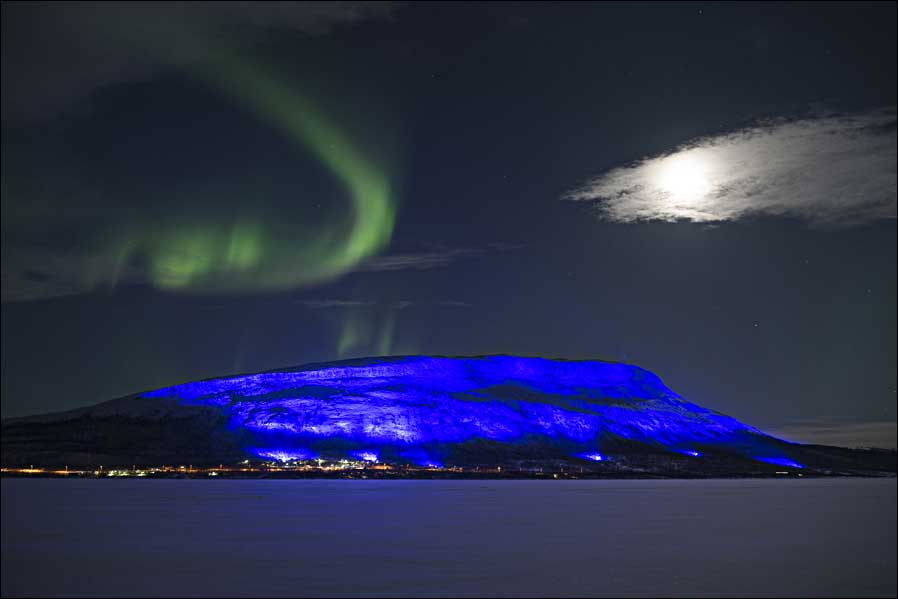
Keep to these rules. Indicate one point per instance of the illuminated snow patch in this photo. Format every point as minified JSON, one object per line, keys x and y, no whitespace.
{"x":595,"y":457}
{"x":366,"y":456}
{"x":283,"y":455}
{"x":422,"y":458}
{"x":781,"y":462}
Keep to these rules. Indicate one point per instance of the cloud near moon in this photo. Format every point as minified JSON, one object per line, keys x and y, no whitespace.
{"x":829,"y":171}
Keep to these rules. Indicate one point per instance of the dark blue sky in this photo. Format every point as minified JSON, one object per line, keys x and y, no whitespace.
{"x":126,"y":132}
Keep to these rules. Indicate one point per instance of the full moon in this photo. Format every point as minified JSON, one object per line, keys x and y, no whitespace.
{"x":684,"y":177}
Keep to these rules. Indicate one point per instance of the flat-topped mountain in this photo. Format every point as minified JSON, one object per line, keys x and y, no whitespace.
{"x":421,"y":410}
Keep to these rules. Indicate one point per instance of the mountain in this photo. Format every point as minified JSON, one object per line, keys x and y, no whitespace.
{"x":426,"y":411}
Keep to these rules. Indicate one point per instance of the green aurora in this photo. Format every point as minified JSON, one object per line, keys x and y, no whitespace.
{"x":236,"y":235}
{"x":247,"y":254}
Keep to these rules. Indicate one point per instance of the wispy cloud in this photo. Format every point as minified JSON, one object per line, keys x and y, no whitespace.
{"x":24,"y":284}
{"x":860,"y":434}
{"x":325,"y":304}
{"x":415,"y":261}
{"x":36,"y":273}
{"x":431,"y":259}
{"x":453,"y":304}
{"x":77,"y":48}
{"x":830,"y":170}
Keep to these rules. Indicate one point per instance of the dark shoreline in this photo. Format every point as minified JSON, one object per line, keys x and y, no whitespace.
{"x":466,"y":476}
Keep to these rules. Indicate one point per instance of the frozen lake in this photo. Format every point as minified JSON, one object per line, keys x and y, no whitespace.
{"x":811,"y":537}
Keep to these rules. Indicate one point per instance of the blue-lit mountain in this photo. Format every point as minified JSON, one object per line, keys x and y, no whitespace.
{"x":419,"y":410}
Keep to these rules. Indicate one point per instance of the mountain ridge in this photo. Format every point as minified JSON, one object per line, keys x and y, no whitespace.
{"x":420,"y":410}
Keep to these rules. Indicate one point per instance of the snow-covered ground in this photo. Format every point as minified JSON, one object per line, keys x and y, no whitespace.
{"x":811,"y":537}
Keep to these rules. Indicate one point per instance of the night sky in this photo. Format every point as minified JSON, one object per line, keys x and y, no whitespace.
{"x":705,"y":190}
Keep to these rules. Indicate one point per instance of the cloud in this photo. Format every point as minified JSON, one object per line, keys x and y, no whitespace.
{"x":453,"y":304}
{"x":56,"y":54}
{"x":33,"y":273}
{"x":37,"y":275}
{"x":39,"y":271}
{"x":416,"y":261}
{"x":430,"y":259}
{"x":862,"y":434}
{"x":828,"y":170}
{"x":325,"y":304}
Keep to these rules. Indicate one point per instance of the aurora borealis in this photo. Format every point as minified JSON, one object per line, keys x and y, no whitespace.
{"x":184,"y":238}
{"x":430,"y":299}
{"x":193,"y":190}
{"x":249,"y":256}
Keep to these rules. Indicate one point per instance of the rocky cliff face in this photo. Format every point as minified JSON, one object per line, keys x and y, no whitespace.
{"x":416,"y":409}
